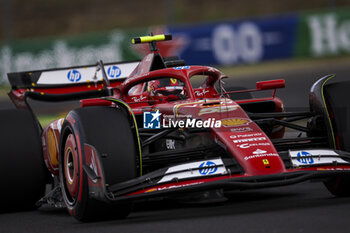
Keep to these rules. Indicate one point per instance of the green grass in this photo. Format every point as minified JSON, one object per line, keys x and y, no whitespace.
{"x":4,"y":89}
{"x":45,"y":120}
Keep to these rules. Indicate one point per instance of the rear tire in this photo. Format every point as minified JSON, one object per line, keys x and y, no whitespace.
{"x":108,"y":130}
{"x":22,"y":166}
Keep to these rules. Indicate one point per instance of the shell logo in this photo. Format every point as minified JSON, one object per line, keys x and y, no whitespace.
{"x":235,"y":122}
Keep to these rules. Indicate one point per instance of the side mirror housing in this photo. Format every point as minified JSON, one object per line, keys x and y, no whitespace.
{"x":270,"y":84}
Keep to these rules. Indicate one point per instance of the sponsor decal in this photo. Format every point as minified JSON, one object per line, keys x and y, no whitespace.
{"x":333,"y":169}
{"x":182,"y":68}
{"x":248,"y":145}
{"x":305,"y":157}
{"x":233,"y":122}
{"x":241,"y":129}
{"x":249,"y":140}
{"x":258,"y":151}
{"x":260,"y":155}
{"x":265,"y":161}
{"x":315,"y":157}
{"x":170,"y":144}
{"x":173,"y":80}
{"x":114,"y":71}
{"x":245,"y":135}
{"x":74,"y":76}
{"x":216,"y":108}
{"x":201,"y":92}
{"x":138,"y":99}
{"x":207,"y":168}
{"x":151,"y":120}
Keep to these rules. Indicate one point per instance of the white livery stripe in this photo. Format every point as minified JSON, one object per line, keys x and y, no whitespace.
{"x":315,"y":157}
{"x":194,"y":169}
{"x":86,"y":74}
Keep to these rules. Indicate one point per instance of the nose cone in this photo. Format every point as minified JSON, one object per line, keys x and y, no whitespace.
{"x":252,"y":149}
{"x":245,"y":141}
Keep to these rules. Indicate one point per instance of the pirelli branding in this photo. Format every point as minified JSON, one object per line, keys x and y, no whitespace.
{"x":249,"y":140}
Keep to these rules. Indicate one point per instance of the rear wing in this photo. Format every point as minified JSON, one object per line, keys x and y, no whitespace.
{"x":70,"y":76}
{"x":70,"y":83}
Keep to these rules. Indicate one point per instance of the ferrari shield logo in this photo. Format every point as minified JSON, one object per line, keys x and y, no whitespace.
{"x":266,"y":162}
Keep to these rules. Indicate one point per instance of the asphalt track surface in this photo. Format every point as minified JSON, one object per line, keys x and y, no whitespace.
{"x":305,"y":207}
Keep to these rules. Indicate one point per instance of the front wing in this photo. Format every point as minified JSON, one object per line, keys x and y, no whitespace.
{"x":211,"y":174}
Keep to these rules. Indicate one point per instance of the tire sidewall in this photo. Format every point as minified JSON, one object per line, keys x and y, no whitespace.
{"x":78,"y":206}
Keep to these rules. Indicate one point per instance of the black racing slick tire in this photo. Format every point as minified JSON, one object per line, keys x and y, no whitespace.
{"x":108,"y":130}
{"x":22,"y":168}
{"x":339,"y":186}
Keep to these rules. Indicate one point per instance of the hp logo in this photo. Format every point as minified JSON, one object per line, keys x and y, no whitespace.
{"x":207,"y":168}
{"x":114,"y":71}
{"x":305,"y":157}
{"x":74,"y":76}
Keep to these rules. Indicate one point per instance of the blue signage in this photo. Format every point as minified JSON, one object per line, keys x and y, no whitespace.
{"x":229,"y":43}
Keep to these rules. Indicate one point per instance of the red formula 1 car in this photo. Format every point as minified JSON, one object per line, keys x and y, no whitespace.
{"x":144,"y":131}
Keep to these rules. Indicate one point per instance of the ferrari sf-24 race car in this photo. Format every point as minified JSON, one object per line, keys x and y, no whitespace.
{"x":143,"y":131}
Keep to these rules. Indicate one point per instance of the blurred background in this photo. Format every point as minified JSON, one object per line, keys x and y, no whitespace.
{"x":248,"y":40}
{"x":39,"y":18}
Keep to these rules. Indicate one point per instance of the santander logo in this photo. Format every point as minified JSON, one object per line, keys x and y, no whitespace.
{"x":258,"y":151}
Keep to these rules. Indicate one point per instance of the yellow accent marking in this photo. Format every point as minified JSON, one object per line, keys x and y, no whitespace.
{"x":324,"y":101}
{"x":41,"y":93}
{"x":88,"y":81}
{"x":135,"y":123}
{"x":173,"y":80}
{"x":234,"y":122}
{"x":99,"y":89}
{"x":150,"y":190}
{"x":52,"y":147}
{"x":146,"y":39}
{"x":266,"y":162}
{"x":33,"y":84}
{"x":89,"y":86}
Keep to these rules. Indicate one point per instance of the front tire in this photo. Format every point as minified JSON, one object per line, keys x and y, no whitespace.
{"x":339,"y":186}
{"x":108,"y":130}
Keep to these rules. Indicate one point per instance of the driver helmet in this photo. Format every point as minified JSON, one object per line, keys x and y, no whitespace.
{"x":163,"y":82}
